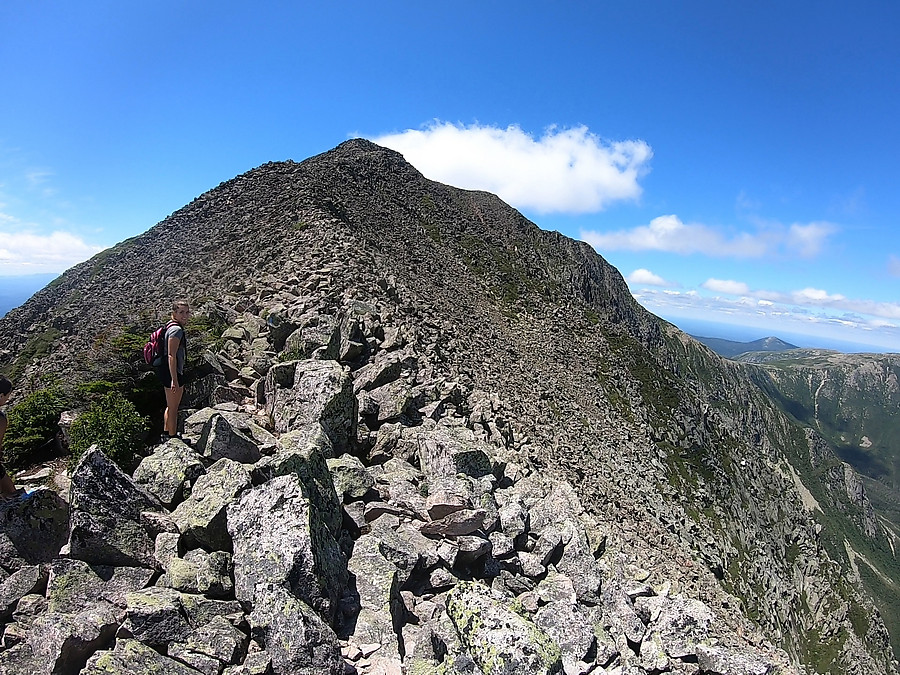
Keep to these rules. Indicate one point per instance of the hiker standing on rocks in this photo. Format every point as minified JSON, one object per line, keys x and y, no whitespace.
{"x":171,"y":367}
{"x":7,"y":488}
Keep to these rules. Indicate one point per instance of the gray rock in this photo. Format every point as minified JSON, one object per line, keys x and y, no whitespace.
{"x":351,"y":479}
{"x":319,"y":335}
{"x":74,"y":584}
{"x":570,"y":626}
{"x":154,"y":616}
{"x":378,"y":588}
{"x":280,"y":540}
{"x":28,"y":609}
{"x":32,"y":529}
{"x":223,"y":437}
{"x":721,"y":661}
{"x":256,"y":663}
{"x":448,"y":451}
{"x":500,"y":641}
{"x":62,"y":643}
{"x":200,"y":610}
{"x":202,"y":573}
{"x":28,"y":580}
{"x":215,"y":644}
{"x":165,"y":473}
{"x":297,"y":640}
{"x":455,"y":524}
{"x":202,"y":517}
{"x":302,"y":453}
{"x":683,"y":624}
{"x":300,"y":393}
{"x":130,"y":657}
{"x":106,"y":523}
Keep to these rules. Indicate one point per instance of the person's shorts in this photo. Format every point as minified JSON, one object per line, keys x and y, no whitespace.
{"x":162,"y":372}
{"x":2,"y":471}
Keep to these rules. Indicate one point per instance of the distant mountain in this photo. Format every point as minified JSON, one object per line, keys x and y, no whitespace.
{"x":730,"y":349}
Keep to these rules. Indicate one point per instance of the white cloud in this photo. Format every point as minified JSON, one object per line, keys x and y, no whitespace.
{"x":805,"y":297}
{"x":668,"y":233}
{"x":809,"y":239}
{"x":648,"y":278}
{"x":726,"y":286}
{"x":563,"y":171}
{"x":25,"y":252}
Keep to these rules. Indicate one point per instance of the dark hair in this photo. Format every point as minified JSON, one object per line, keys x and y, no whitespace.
{"x":180,"y":302}
{"x":5,"y":385}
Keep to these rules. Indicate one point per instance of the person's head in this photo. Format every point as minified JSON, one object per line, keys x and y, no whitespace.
{"x":5,"y":389}
{"x":181,"y":311}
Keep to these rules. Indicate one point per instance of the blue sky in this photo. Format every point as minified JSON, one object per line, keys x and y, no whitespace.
{"x":737,"y":162}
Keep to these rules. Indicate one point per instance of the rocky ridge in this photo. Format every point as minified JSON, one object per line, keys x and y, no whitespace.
{"x":429,"y":295}
{"x":267,"y":544}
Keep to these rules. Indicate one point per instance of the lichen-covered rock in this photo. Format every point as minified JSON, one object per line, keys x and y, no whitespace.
{"x":722,"y":661}
{"x":130,"y":657}
{"x":297,"y":639}
{"x":299,"y":393}
{"x":23,"y":582}
{"x":74,"y":584}
{"x":351,"y":479}
{"x":224,"y":436}
{"x":500,"y":641}
{"x":211,"y":647}
{"x":202,"y":573}
{"x":165,"y":473}
{"x":683,"y":624}
{"x":106,"y":523}
{"x":447,"y":451}
{"x":378,"y":589}
{"x":280,"y":539}
{"x":570,"y":626}
{"x":61,"y":643}
{"x":154,"y":616}
{"x":33,"y":529}
{"x":202,"y":517}
{"x":200,"y":610}
{"x":302,"y":453}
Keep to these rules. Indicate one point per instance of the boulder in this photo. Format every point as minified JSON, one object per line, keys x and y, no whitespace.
{"x":298,"y":641}
{"x":378,"y":588}
{"x":279,"y":539}
{"x":202,"y":517}
{"x":499,"y":640}
{"x":107,"y":527}
{"x":299,"y":393}
{"x":154,"y":616}
{"x":448,"y":451}
{"x":202,"y":573}
{"x":33,"y":529}
{"x":211,"y":647}
{"x":130,"y":657}
{"x":721,"y":661}
{"x":26,"y":581}
{"x":165,"y":473}
{"x":223,"y":438}
{"x":570,"y":627}
{"x":302,"y":453}
{"x":61,"y":643}
{"x":351,"y":479}
{"x":74,"y":585}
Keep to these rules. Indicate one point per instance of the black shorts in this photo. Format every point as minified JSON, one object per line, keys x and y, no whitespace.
{"x":162,"y":372}
{"x":2,"y":471}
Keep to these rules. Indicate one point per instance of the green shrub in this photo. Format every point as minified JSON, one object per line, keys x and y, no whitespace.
{"x":33,"y":425}
{"x":115,"y":425}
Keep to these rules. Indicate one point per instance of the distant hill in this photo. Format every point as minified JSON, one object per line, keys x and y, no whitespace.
{"x":730,"y":349}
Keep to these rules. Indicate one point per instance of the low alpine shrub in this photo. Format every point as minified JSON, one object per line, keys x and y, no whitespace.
{"x":115,"y":425}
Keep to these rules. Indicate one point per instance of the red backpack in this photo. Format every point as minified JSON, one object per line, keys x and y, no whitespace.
{"x":156,"y":344}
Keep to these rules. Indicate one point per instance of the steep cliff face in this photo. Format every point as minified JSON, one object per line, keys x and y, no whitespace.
{"x":695,"y":473}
